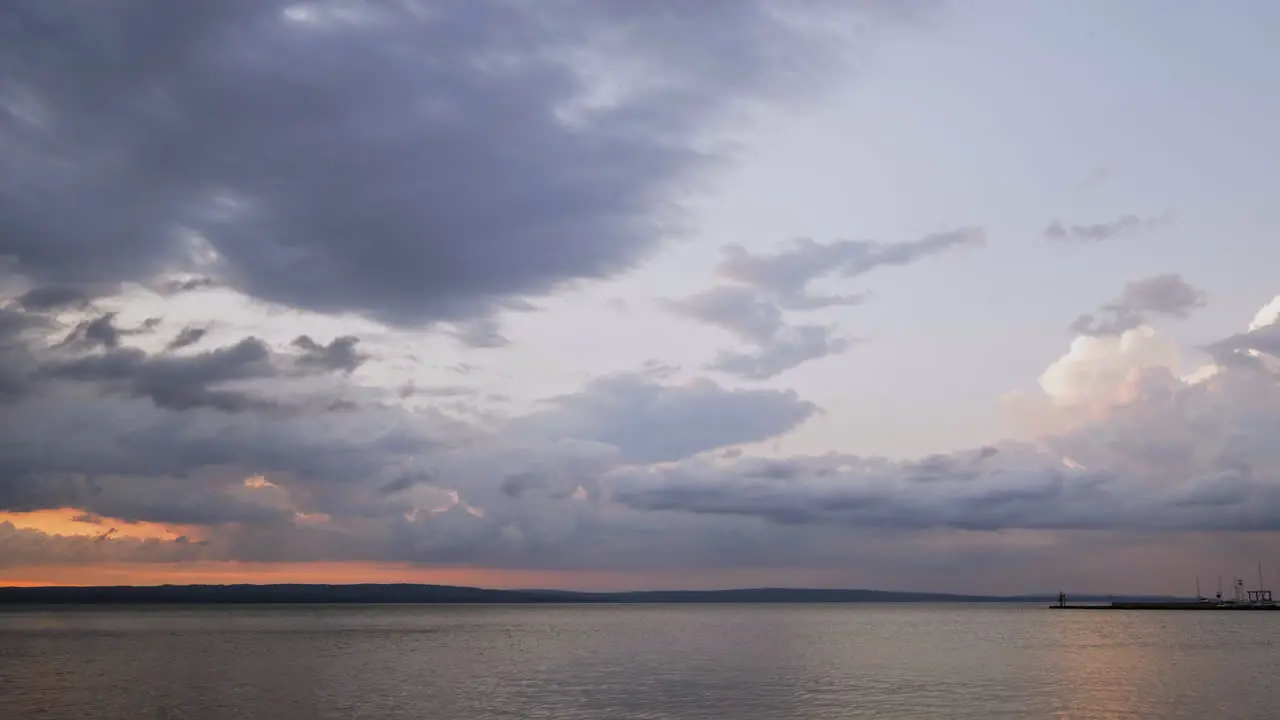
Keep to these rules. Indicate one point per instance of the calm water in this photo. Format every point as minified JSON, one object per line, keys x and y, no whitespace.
{"x":741,"y":662}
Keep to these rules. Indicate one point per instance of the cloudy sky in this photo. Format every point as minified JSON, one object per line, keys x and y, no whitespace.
{"x":924,"y":295}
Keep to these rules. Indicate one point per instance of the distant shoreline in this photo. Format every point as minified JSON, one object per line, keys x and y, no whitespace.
{"x":367,"y":594}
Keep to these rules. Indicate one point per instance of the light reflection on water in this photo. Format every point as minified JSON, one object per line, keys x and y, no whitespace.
{"x":459,"y":663}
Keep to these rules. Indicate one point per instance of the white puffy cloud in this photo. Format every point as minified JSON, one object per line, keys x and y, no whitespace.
{"x":1268,"y":315}
{"x":1103,"y":370}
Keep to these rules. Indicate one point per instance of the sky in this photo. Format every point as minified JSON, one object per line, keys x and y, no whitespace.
{"x":972,"y":297}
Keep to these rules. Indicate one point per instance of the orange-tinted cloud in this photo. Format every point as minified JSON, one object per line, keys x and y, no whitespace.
{"x":73,"y":522}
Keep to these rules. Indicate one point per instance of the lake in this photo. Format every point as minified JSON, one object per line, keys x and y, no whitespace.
{"x":746,"y":662}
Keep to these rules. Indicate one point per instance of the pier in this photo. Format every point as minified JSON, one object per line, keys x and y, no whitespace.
{"x":1186,"y":605}
{"x":1259,"y":599}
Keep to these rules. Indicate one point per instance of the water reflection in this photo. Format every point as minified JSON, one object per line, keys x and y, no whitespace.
{"x":1154,"y":664}
{"x":633,"y":662}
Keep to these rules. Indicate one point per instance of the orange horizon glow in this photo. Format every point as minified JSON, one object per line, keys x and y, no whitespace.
{"x":75,"y":522}
{"x":72,"y":522}
{"x":330,"y":573}
{"x":215,"y":572}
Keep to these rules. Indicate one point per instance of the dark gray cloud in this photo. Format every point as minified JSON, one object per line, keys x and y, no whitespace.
{"x":1265,"y":339}
{"x":413,"y":161}
{"x":409,"y":390}
{"x":786,"y":275}
{"x":14,"y":321}
{"x":186,"y":337}
{"x":737,"y":308}
{"x":1096,"y":178}
{"x":406,"y":481}
{"x":176,"y":383}
{"x":1168,"y":295}
{"x":1101,"y":232}
{"x":17,"y":363}
{"x":102,"y":332}
{"x":55,"y":297}
{"x":198,"y":501}
{"x":191,"y":284}
{"x":1044,"y":498}
{"x":341,"y":354}
{"x":482,"y":332}
{"x":97,"y":332}
{"x":766,"y":286}
{"x":648,"y":422}
{"x":879,"y":495}
{"x":212,"y":379}
{"x":791,"y":347}
{"x":517,"y":484}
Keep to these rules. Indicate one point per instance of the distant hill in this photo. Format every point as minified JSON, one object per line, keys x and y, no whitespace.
{"x":241,"y":594}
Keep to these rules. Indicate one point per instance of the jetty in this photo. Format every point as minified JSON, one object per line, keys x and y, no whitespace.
{"x":1244,"y":600}
{"x":1175,"y":605}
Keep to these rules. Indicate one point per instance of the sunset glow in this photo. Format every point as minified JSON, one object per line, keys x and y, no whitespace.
{"x":73,"y":522}
{"x":206,"y":573}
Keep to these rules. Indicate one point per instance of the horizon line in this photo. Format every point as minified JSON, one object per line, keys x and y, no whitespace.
{"x":659,"y":590}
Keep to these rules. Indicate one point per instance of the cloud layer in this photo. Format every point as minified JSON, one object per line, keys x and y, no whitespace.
{"x":591,"y":479}
{"x":760,"y":289}
{"x":411,"y":161}
{"x":1122,"y":226}
{"x":1168,"y":295}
